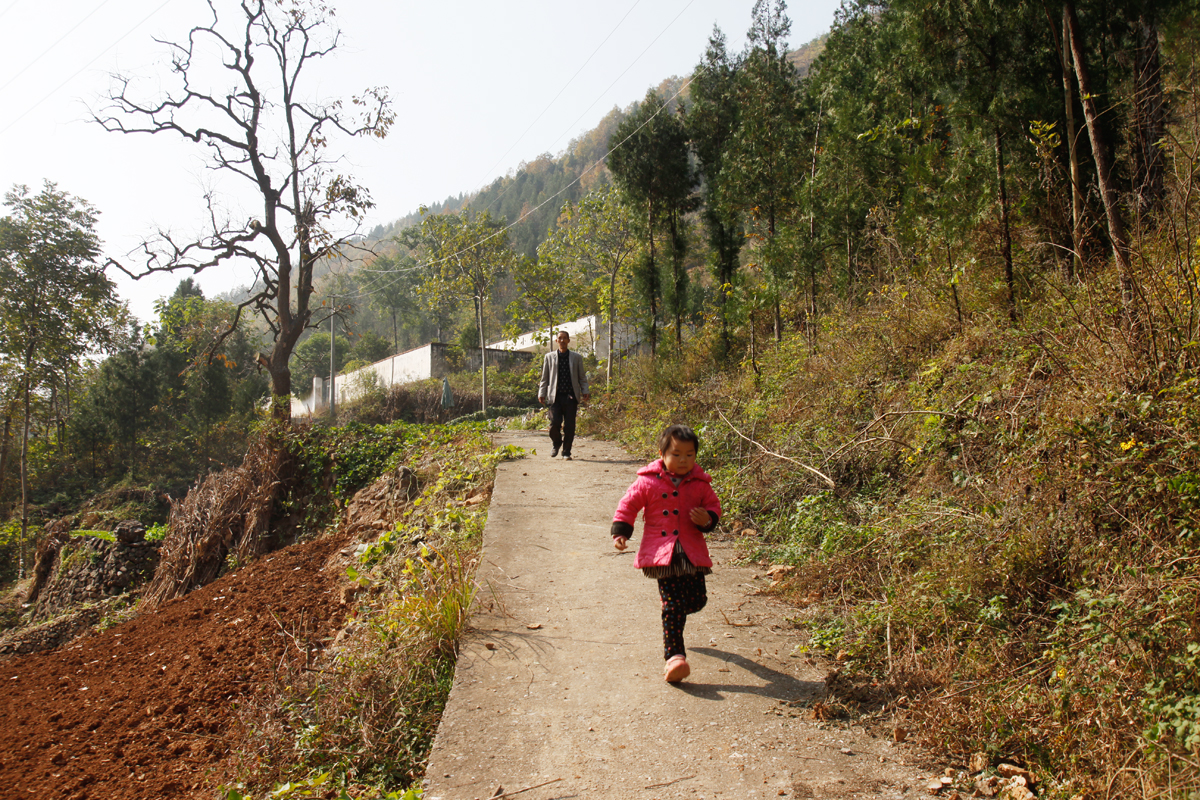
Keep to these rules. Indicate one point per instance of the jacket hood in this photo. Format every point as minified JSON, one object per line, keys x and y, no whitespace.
{"x":657,"y":469}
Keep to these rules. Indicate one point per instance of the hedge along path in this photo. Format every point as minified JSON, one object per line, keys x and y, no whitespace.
{"x":559,"y":692}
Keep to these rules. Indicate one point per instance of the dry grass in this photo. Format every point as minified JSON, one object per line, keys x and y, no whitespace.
{"x":226,"y":517}
{"x":365,"y":712}
{"x":1011,"y":543}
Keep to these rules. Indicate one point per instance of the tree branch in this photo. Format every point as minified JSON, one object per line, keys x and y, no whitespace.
{"x":828,"y":481}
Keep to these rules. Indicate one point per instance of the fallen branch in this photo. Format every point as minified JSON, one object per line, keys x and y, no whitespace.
{"x":668,"y":783}
{"x":737,"y":624}
{"x":828,"y":480}
{"x":526,"y":789}
{"x":855,"y":441}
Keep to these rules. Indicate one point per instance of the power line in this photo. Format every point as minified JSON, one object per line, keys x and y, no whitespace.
{"x":509,"y":227}
{"x":560,"y":91}
{"x":571,"y":127}
{"x":639,"y":58}
{"x":29,"y":66}
{"x":55,"y":90}
{"x":9,"y":8}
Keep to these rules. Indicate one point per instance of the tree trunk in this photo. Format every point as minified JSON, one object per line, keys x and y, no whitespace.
{"x":1005,"y":230}
{"x":4,"y":449}
{"x":1150,"y":110}
{"x":677,"y":253}
{"x":776,"y":286}
{"x":612,"y":313}
{"x":1100,"y":152}
{"x":25,"y":469}
{"x":281,"y":392}
{"x":1062,"y":43}
{"x":482,"y":352}
{"x":812,"y":236}
{"x":954,"y":288}
{"x":653,"y":267}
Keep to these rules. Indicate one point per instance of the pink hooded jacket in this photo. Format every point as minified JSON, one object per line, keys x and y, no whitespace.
{"x":666,"y":514}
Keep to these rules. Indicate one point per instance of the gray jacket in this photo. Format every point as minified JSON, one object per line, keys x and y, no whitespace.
{"x":548,"y":386}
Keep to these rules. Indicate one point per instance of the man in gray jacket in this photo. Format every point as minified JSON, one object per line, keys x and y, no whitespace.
{"x":562,"y":387}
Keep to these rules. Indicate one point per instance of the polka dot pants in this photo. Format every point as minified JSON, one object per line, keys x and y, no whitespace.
{"x":681,"y":595}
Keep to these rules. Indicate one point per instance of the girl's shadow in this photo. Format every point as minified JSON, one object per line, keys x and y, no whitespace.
{"x":777,"y":686}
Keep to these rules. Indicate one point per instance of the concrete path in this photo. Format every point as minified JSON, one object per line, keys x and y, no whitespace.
{"x":559,"y":691}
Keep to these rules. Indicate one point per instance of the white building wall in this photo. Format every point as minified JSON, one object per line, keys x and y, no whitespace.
{"x":589,"y":336}
{"x":406,"y":367}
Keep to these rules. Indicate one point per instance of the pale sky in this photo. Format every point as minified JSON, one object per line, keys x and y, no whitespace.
{"x":478,"y":87}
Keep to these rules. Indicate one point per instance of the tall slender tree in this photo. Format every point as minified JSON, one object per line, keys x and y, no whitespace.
{"x":712,"y":121}
{"x":464,"y":255}
{"x":56,"y":301}
{"x":599,"y":236}
{"x":650,"y":165}
{"x":765,"y":165}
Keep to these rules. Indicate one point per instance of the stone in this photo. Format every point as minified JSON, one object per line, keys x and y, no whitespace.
{"x":1015,"y":792}
{"x":130,"y":531}
{"x":1013,"y":771}
{"x":979,"y":762}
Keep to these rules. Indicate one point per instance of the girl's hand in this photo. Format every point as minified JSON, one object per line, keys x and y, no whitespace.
{"x":700,"y":516}
{"x":619,"y":542}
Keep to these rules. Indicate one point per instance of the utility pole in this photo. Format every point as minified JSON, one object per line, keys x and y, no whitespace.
{"x":332,"y":387}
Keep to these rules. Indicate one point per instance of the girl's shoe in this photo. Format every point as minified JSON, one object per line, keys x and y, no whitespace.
{"x":676,"y":669}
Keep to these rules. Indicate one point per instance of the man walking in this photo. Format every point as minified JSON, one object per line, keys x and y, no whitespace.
{"x":562,"y":386}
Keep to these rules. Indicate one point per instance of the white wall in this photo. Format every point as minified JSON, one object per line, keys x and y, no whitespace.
{"x":589,"y":336}
{"x":406,"y":367}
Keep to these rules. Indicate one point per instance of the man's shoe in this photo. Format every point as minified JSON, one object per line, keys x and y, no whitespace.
{"x":554,"y":453}
{"x":567,"y":456}
{"x":676,"y":669}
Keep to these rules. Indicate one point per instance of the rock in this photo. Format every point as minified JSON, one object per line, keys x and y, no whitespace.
{"x":899,"y":734}
{"x":1016,"y":792}
{"x":130,"y":531}
{"x":749,"y":532}
{"x":1011,"y":771}
{"x":779,"y":569}
{"x":934,"y":787}
{"x":979,"y":762}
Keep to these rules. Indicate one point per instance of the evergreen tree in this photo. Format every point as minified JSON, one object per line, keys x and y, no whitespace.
{"x":650,"y":165}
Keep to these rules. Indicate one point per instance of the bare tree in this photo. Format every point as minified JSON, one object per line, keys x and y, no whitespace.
{"x":237,"y":88}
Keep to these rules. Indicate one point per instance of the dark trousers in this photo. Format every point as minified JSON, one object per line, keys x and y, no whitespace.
{"x":681,"y":595}
{"x":562,"y":423}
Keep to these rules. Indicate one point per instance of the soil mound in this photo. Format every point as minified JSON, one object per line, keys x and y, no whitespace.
{"x":143,"y":710}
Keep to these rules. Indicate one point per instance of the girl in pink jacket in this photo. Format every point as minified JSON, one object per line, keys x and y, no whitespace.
{"x":680,"y":507}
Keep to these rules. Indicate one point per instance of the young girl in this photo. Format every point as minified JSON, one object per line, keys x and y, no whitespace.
{"x":680,"y":507}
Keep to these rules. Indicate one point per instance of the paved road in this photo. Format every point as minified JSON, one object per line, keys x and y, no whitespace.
{"x":559,"y":683}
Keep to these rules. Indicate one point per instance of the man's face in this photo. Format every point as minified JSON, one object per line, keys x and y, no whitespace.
{"x":564,"y":339}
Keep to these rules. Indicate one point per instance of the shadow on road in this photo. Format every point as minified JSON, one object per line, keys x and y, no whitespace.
{"x":777,"y":686}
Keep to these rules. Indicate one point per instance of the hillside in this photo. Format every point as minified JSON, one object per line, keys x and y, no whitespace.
{"x":553,"y":179}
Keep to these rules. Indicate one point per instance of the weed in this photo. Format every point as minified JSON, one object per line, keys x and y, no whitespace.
{"x":366,"y":715}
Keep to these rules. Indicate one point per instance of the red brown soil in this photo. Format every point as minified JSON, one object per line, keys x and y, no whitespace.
{"x":145,"y":709}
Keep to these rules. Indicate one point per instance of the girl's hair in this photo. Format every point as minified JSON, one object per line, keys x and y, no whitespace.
{"x":680,"y":433}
